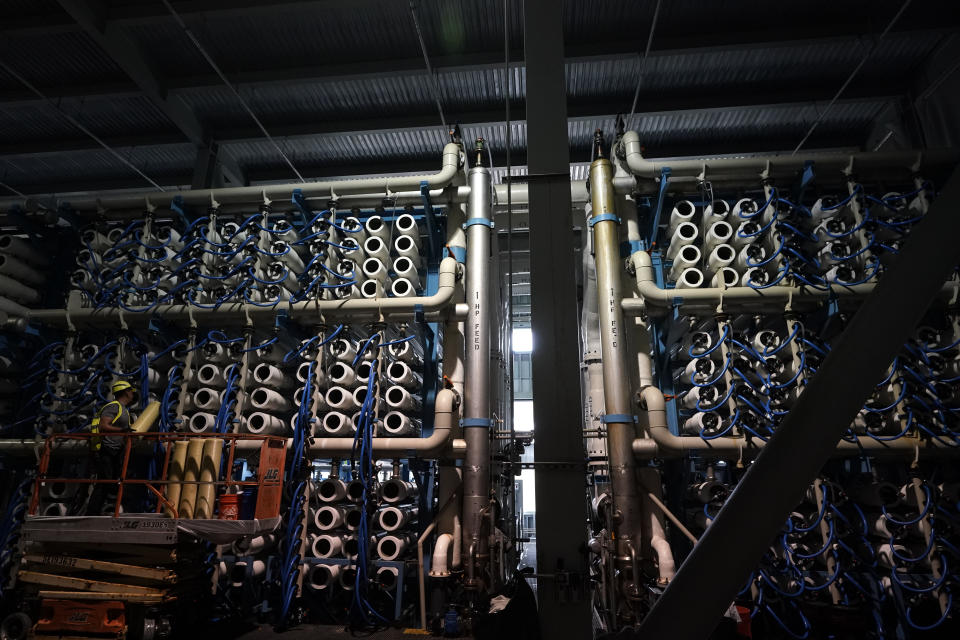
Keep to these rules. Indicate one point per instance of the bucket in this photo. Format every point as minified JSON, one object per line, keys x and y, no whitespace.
{"x":228,"y":504}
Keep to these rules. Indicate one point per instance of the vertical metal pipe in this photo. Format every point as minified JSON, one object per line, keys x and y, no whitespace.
{"x":476,"y":412}
{"x":616,"y":390}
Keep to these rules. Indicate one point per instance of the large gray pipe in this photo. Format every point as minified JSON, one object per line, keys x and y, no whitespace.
{"x":476,"y":412}
{"x":450,"y":163}
{"x":649,"y":170}
{"x":616,"y":385}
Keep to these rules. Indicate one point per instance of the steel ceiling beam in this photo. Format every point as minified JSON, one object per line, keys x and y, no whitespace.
{"x":91,"y":16}
{"x":726,"y":99}
{"x":666,"y":45}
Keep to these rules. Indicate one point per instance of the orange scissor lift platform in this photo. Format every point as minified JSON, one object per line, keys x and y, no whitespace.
{"x":87,"y":572}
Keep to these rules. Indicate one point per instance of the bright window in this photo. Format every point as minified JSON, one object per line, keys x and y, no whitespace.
{"x":522,"y":340}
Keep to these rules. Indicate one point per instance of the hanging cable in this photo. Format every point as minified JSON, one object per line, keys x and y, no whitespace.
{"x":853,"y":74}
{"x":643,"y":62}
{"x":229,"y":85}
{"x":78,"y":125}
{"x":426,"y":61}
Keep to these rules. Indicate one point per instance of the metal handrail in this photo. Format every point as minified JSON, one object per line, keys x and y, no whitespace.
{"x":122,"y":481}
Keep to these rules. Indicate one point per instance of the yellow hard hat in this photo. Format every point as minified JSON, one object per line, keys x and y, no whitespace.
{"x":120,"y":385}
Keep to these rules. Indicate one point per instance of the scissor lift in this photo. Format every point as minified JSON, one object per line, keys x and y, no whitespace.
{"x":123,"y":575}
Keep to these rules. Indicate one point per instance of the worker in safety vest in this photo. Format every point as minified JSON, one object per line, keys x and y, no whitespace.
{"x":107,"y":452}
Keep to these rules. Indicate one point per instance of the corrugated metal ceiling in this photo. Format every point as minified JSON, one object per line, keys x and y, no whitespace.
{"x":767,"y":89}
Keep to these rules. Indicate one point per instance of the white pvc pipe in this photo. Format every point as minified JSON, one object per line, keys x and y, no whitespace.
{"x":402,"y":288}
{"x":329,"y":517}
{"x":350,"y":547}
{"x":725,"y":277}
{"x":363,"y":372}
{"x":353,"y":249}
{"x":409,"y":351}
{"x":19,"y":270}
{"x":439,"y":567}
{"x":336,"y":423}
{"x":714,"y":212}
{"x":214,"y":352}
{"x":718,"y":233}
{"x":393,"y":546}
{"x":382,"y":186}
{"x":685,"y":233}
{"x":688,"y":257}
{"x":322,"y":576}
{"x":303,"y":371}
{"x":690,"y":279}
{"x":406,"y":225}
{"x":327,"y":546}
{"x":12,"y":308}
{"x":348,"y":577}
{"x":359,"y":396}
{"x":210,"y":375}
{"x":332,"y":490}
{"x":23,"y":250}
{"x":270,"y":376}
{"x":341,"y":374}
{"x":18,"y":291}
{"x":395,"y":491}
{"x":399,"y":399}
{"x":341,"y":399}
{"x":206,"y":399}
{"x":352,"y":518}
{"x":263,"y":424}
{"x":376,"y":247}
{"x":398,"y":424}
{"x":342,"y":349}
{"x":288,"y":255}
{"x":683,"y":211}
{"x":404,"y":267}
{"x":202,"y":422}
{"x":721,"y":256}
{"x":374,"y":269}
{"x":400,"y":373}
{"x":387,"y":577}
{"x":394,"y":518}
{"x":268,"y":400}
{"x":376,"y":228}
{"x":255,"y":545}
{"x":407,"y":247}
{"x":372,"y":290}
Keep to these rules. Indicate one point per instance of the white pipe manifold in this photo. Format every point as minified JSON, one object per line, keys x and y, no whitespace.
{"x":398,"y":424}
{"x":393,"y":545}
{"x":406,"y":247}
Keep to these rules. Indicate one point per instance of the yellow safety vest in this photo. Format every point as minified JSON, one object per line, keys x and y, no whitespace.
{"x":95,"y":440}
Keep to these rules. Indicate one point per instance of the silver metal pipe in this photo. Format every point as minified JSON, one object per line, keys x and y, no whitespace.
{"x":613,"y":347}
{"x":476,"y":409}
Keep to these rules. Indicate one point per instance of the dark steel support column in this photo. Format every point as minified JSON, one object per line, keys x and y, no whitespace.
{"x":731,"y":548}
{"x":561,"y":494}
